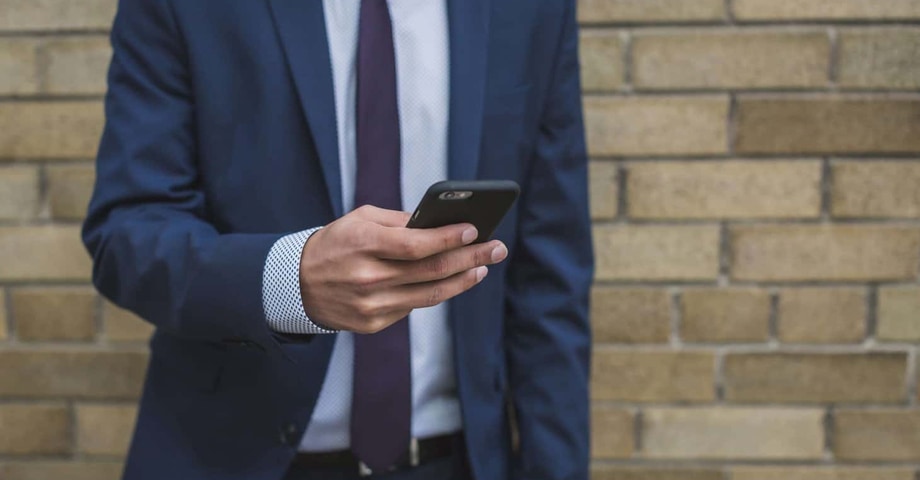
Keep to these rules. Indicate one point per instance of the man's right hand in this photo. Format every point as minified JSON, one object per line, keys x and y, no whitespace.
{"x":366,"y":270}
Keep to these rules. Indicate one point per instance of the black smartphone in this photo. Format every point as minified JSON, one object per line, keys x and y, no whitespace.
{"x":482,"y":203}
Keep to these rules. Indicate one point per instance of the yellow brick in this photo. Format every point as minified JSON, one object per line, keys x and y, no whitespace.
{"x":81,"y":374}
{"x":54,"y":313}
{"x":825,"y":9}
{"x":807,"y":124}
{"x":822,"y":315}
{"x":42,"y":253}
{"x":69,"y":190}
{"x":604,"y":190}
{"x":34,"y":429}
{"x":32,"y":470}
{"x":601,"y":60}
{"x":18,"y":66}
{"x":636,"y":376}
{"x":734,"y":189}
{"x":879,"y":58}
{"x":823,"y":252}
{"x":50,"y":129}
{"x":605,"y":11}
{"x":733,"y":434}
{"x":657,"y":252}
{"x":630,"y":315}
{"x":105,"y":429}
{"x":637,"y":126}
{"x":123,"y":326}
{"x":816,"y":378}
{"x":876,"y":188}
{"x":77,"y":65}
{"x":611,"y":432}
{"x":20,"y":197}
{"x":711,"y":59}
{"x":615,"y":472}
{"x":20,"y":15}
{"x":899,"y":314}
{"x":881,"y":435}
{"x":730,"y":315}
{"x":821,"y":473}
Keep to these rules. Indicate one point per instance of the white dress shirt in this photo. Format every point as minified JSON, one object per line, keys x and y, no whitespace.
{"x":420,"y":33}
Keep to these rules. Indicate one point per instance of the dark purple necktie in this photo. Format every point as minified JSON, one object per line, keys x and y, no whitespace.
{"x":382,"y":404}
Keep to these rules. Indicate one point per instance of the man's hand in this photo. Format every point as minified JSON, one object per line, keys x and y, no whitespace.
{"x":366,"y":271}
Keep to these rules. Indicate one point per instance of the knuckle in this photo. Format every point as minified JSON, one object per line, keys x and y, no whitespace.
{"x":411,"y":248}
{"x":366,"y":278}
{"x":435,"y":296}
{"x":367,"y":308}
{"x":438,"y":266}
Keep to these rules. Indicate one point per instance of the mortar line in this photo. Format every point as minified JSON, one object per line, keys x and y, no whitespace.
{"x":872,"y":313}
{"x":622,"y":194}
{"x":833,"y":64}
{"x":626,"y":36}
{"x":827,"y":185}
{"x":676,"y":310}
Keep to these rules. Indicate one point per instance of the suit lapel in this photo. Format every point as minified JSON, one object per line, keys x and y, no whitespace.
{"x":469,"y":39}
{"x":301,"y":27}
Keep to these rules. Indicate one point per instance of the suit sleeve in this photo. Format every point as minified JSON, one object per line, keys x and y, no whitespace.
{"x":154,"y":251}
{"x":548,"y":339}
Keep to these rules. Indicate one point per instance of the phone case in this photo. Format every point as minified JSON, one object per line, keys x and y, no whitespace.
{"x":485,"y":207}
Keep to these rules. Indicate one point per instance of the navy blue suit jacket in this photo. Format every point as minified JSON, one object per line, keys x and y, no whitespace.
{"x":220,"y":138}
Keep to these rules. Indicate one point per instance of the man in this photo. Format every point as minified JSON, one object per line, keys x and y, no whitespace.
{"x":235,"y":128}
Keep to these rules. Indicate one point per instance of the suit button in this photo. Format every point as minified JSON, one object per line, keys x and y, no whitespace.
{"x":289,"y":435}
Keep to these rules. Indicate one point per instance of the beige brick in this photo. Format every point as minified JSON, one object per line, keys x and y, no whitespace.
{"x":637,"y":376}
{"x":825,"y":9}
{"x":69,"y":190}
{"x":18,"y":66}
{"x":34,"y":429}
{"x":604,"y":190}
{"x":3,"y":319}
{"x":709,"y":59}
{"x":123,"y":326}
{"x":601,"y":60}
{"x":105,"y":429}
{"x":630,"y":315}
{"x":637,"y":126}
{"x":77,"y":65}
{"x":60,"y":470}
{"x":731,"y":315}
{"x":734,"y":189}
{"x":24,"y":15}
{"x":20,"y":197}
{"x":733,"y":433}
{"x":824,"y":252}
{"x":821,"y":473}
{"x":54,"y":313}
{"x":816,"y":378}
{"x":877,"y":188}
{"x":899,"y":314}
{"x":657,"y":252}
{"x":632,"y":11}
{"x":615,"y":472}
{"x":43,"y":253}
{"x":80,"y":374}
{"x":50,"y":129}
{"x":879,"y":58}
{"x":806,"y":124}
{"x":612,"y":432}
{"x":822,"y":315}
{"x":877,"y":435}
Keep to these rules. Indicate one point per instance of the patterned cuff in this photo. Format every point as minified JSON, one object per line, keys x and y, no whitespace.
{"x":281,"y":298}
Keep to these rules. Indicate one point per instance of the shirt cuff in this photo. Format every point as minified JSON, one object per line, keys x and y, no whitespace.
{"x":281,"y":297}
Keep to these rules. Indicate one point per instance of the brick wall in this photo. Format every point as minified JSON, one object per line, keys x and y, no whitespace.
{"x":755,"y":182}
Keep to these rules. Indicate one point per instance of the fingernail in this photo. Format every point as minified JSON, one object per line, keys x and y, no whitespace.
{"x":499,"y":253}
{"x":481,"y":273}
{"x":469,"y":235}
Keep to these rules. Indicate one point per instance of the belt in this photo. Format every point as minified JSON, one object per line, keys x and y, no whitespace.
{"x":418,"y":452}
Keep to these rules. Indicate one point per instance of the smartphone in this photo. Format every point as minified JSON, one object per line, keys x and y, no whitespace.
{"x":482,"y":203}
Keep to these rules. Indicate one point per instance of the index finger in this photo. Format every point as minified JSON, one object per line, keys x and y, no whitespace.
{"x":400,"y":243}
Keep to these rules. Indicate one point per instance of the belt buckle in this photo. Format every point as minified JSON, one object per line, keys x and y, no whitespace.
{"x":414,"y":460}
